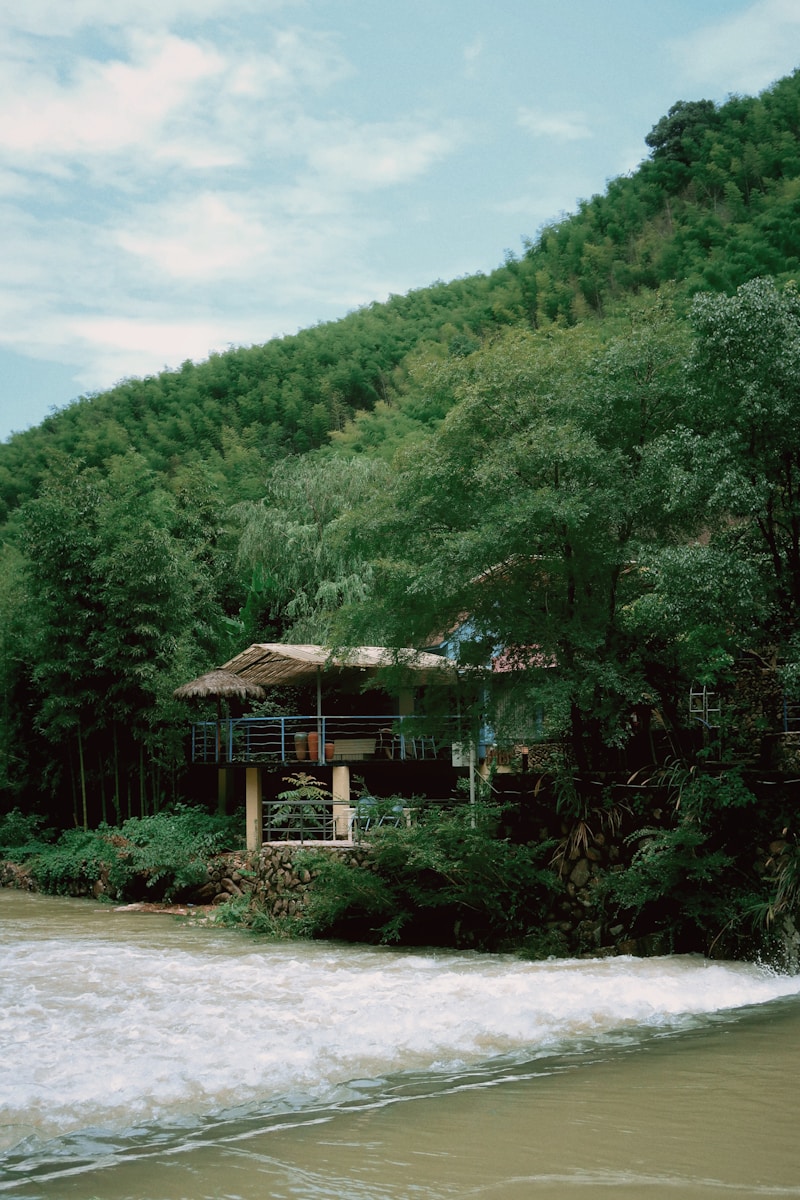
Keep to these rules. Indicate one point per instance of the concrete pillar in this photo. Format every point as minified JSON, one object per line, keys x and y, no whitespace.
{"x":340,"y":790}
{"x":254,"y":815}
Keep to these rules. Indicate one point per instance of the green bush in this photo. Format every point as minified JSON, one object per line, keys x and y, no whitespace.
{"x":691,"y":881}
{"x":72,"y":866}
{"x":21,"y":834}
{"x":448,"y":880}
{"x":159,"y":856}
{"x":247,"y":912}
{"x":169,"y":852}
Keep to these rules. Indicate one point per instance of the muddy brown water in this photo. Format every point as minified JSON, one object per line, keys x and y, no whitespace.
{"x":142,"y":1057}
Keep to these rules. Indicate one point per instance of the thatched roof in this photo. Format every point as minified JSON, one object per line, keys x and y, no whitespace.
{"x":221,"y":683}
{"x":271,"y":663}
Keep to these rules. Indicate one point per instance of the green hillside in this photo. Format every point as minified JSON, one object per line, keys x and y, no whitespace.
{"x":312,"y":486}
{"x":716,"y":204}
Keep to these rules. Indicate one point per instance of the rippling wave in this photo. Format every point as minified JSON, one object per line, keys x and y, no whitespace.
{"x":119,"y":1024}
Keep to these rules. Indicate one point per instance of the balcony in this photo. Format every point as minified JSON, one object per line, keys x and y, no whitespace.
{"x":261,"y":741}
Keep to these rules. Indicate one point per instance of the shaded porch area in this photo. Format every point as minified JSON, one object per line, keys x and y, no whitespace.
{"x":367,"y":722}
{"x":362,"y":795}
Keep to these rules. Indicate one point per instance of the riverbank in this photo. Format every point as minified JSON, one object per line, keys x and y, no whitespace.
{"x":577,"y":890}
{"x":693,"y":863}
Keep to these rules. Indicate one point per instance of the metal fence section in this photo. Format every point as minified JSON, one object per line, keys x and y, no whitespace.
{"x":298,"y":821}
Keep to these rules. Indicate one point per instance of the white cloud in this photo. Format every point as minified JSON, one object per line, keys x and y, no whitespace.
{"x":261,"y":243}
{"x":369,"y":156}
{"x":200,"y":238}
{"x":111,"y":348}
{"x":171,"y":101}
{"x":564,"y":126}
{"x":106,"y":107}
{"x":169,"y":187}
{"x":472,"y":53}
{"x":745,"y":52}
{"x":55,"y":18}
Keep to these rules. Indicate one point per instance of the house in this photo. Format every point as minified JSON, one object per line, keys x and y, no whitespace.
{"x":389,"y":718}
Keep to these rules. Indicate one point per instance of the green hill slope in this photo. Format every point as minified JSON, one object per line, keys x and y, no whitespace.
{"x":716,"y":204}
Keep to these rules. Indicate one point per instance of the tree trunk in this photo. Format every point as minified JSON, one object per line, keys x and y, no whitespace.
{"x":82,"y":768}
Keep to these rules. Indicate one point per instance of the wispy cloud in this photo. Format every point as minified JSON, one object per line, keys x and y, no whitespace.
{"x":563,"y":126}
{"x":472,"y":53}
{"x":104,"y":107}
{"x":745,"y":52}
{"x":54,"y":18}
{"x":173,"y":99}
{"x":150,"y":172}
{"x":370,"y":156}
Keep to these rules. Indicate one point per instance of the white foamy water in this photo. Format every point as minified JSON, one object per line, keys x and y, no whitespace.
{"x":133,"y":1019}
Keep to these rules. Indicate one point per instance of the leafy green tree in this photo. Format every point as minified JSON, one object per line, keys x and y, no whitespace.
{"x":746,"y":396}
{"x":110,"y":635}
{"x":61,"y":543}
{"x":15,"y":608}
{"x":303,"y":568}
{"x":676,"y":136}
{"x":525,"y":517}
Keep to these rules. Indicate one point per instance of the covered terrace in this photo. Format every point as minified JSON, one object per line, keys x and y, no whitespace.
{"x":363,"y":716}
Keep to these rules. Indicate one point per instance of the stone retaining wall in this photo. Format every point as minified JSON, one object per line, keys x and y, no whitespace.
{"x":272,"y":876}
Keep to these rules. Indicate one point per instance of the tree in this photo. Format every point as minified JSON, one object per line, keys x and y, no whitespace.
{"x":116,"y":599}
{"x":302,"y":568}
{"x":60,"y":539}
{"x":746,"y":397}
{"x":525,"y":519}
{"x":676,"y":136}
{"x":14,"y":681}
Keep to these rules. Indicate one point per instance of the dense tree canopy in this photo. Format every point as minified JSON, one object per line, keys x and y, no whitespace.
{"x":110,"y":595}
{"x":533,"y":515}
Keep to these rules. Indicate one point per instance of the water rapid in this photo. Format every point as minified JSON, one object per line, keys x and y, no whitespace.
{"x":115,"y":1024}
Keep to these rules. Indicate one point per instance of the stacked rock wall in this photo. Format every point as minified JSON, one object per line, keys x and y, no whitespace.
{"x":274,"y":876}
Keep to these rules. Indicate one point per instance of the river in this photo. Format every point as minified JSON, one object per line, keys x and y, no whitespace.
{"x":142,"y":1058}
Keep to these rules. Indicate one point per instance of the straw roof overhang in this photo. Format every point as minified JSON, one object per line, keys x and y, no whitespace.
{"x":270,"y":663}
{"x":219,"y":684}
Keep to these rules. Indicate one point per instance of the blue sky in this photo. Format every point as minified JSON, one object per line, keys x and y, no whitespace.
{"x":178,"y":176}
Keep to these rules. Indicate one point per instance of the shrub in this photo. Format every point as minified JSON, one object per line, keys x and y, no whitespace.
{"x":73,"y":865}
{"x":169,"y":852}
{"x":161,"y":855}
{"x":21,"y":834}
{"x":448,"y":880}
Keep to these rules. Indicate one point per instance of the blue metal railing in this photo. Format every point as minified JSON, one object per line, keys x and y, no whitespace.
{"x":315,"y":740}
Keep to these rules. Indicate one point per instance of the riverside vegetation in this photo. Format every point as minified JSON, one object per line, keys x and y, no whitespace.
{"x":590,"y":458}
{"x":594,"y":882}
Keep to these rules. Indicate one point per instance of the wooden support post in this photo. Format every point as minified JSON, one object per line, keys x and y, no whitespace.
{"x":222,"y":790}
{"x":254,"y":816}
{"x":340,"y":789}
